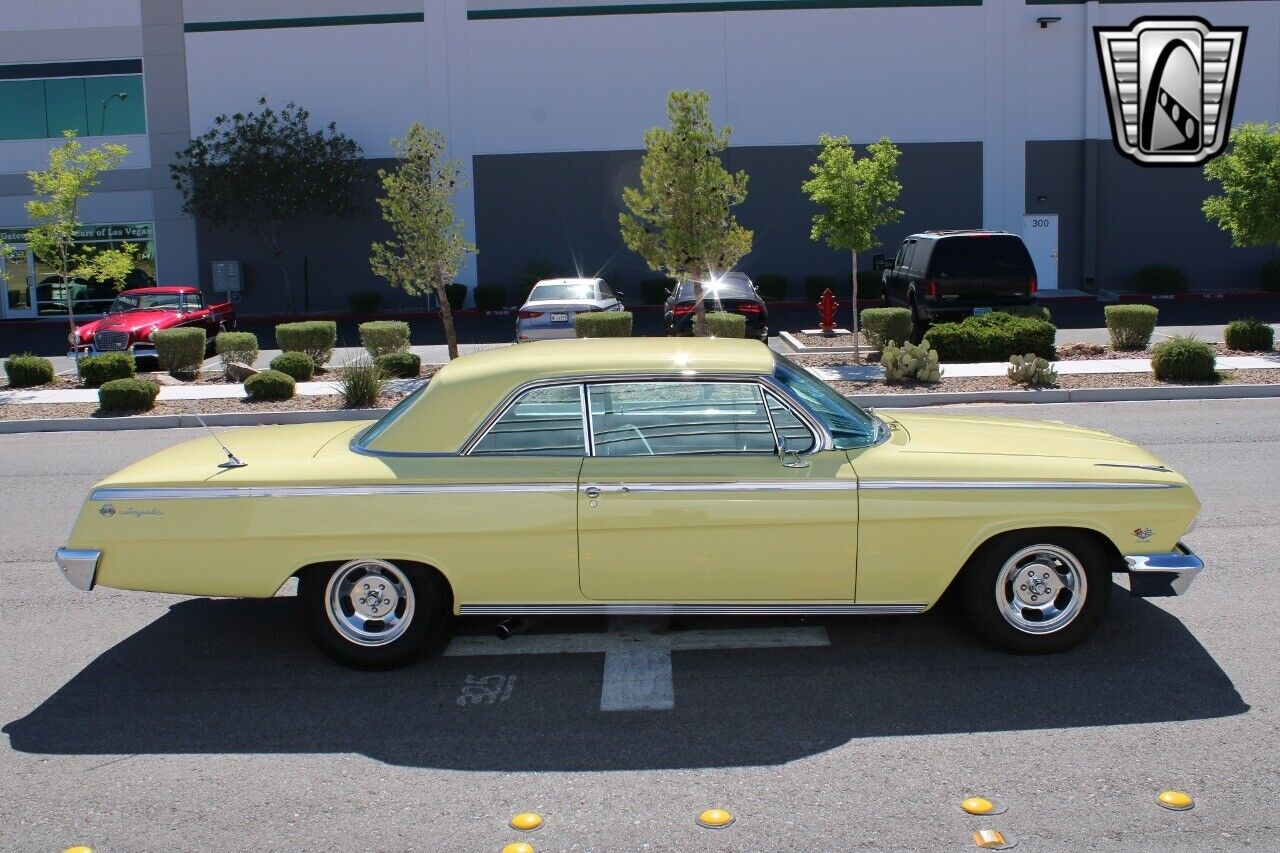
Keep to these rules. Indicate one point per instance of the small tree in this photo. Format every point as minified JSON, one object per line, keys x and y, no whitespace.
{"x":1250,"y":176}
{"x":680,"y":220}
{"x":427,"y":248}
{"x":264,"y":170}
{"x":857,"y":196}
{"x":55,"y":215}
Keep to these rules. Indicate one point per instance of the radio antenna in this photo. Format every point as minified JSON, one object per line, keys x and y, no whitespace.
{"x":232,"y":461}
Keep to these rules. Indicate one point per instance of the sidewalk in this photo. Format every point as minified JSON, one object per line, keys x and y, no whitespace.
{"x":874,"y":372}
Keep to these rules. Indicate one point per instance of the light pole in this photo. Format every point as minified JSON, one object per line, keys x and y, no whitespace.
{"x":106,"y":102}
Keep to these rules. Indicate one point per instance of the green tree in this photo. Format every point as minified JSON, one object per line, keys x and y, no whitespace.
{"x":856,"y":195}
{"x":55,"y":216}
{"x":680,"y":220}
{"x":265,"y":169}
{"x":427,"y":248}
{"x":1249,"y":173}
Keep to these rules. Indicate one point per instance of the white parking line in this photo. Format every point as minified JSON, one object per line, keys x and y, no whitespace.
{"x":637,"y":654}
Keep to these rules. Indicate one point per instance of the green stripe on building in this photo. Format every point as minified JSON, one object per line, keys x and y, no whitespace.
{"x":705,"y":6}
{"x":292,"y":23}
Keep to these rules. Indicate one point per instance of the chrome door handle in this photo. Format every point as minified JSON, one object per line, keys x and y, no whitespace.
{"x":592,"y":491}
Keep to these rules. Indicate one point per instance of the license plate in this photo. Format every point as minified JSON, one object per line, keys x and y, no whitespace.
{"x":977,"y":311}
{"x":559,"y":317}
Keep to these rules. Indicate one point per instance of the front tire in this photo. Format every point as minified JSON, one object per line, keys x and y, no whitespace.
{"x":1037,"y":592}
{"x":373,"y":614}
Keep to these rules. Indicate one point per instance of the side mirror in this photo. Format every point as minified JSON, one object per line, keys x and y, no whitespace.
{"x":877,"y":263}
{"x":789,"y":456}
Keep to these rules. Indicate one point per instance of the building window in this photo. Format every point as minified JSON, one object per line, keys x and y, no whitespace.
{"x":35,"y":288}
{"x":39,"y":102}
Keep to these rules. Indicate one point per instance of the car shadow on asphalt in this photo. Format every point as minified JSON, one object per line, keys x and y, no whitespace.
{"x":231,"y":676}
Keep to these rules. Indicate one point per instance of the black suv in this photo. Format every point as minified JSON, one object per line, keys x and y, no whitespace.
{"x":949,"y":275}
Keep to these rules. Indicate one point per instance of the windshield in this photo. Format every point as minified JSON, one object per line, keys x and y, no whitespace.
{"x":131,"y":301}
{"x":561,"y":292}
{"x":849,"y":425}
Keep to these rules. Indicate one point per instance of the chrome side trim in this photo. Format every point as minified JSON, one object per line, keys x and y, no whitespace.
{"x":206,"y":492}
{"x":1163,"y":573}
{"x":660,"y":609}
{"x":79,"y":567}
{"x":728,"y":486}
{"x":1138,"y":465}
{"x":1076,"y":485}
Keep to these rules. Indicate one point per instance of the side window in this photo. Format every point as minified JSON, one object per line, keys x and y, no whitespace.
{"x":606,"y":292}
{"x":543,"y":422}
{"x":790,"y":428}
{"x":665,"y":418}
{"x":902,"y":255}
{"x":194,"y":301}
{"x":910,"y":255}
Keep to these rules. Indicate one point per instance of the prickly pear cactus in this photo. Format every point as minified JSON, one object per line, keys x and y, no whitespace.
{"x":1031,"y":370}
{"x":910,"y":363}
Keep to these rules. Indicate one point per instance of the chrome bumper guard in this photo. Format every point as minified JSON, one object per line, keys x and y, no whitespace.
{"x":1164,"y":574}
{"x":80,"y":568}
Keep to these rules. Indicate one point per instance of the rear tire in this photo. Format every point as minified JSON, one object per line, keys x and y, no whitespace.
{"x":918,"y":325}
{"x":1037,"y":591}
{"x":374,"y":614}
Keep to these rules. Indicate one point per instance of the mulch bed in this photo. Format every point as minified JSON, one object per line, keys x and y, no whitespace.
{"x":1260,"y":376}
{"x":1219,"y":349}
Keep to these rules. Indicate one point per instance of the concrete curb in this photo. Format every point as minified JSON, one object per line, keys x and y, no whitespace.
{"x":1074,"y":395}
{"x":188,"y":421}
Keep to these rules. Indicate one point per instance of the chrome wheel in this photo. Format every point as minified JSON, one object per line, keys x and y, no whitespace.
{"x":1041,"y":589}
{"x":369,"y":602}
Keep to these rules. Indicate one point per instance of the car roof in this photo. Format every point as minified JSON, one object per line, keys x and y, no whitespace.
{"x":961,"y":232}
{"x":167,"y":289}
{"x":465,"y":391}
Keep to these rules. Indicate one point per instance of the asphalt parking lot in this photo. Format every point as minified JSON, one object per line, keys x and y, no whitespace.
{"x":137,"y":721}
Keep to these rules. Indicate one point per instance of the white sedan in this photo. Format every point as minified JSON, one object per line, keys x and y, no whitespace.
{"x":553,"y":302}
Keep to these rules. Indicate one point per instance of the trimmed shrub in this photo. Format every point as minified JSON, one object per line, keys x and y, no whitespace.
{"x":1130,"y":326}
{"x":882,"y":325}
{"x":771,"y":287}
{"x":603,"y":324}
{"x":359,"y":382}
{"x":1184,"y":359}
{"x":180,"y":351}
{"x":993,"y":337}
{"x":27,"y":370}
{"x":314,"y":337}
{"x":96,"y":370}
{"x":815,"y":284}
{"x":456,"y":294}
{"x":380,"y":337}
{"x":1031,"y":370}
{"x":491,"y":297}
{"x":1249,"y":335}
{"x":239,"y":347}
{"x":654,"y":291}
{"x":296,"y":365}
{"x":1036,"y":312}
{"x":401,"y":365}
{"x":269,"y":385}
{"x":910,"y":363}
{"x":1160,"y":279}
{"x":724,"y":324}
{"x":1271,"y":276}
{"x":364,"y":301}
{"x":127,"y":395}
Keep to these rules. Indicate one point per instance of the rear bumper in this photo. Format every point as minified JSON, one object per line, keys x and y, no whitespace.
{"x":544,"y":333}
{"x":757,"y":325}
{"x":944,"y":311}
{"x":1163,"y":574}
{"x":79,"y":567}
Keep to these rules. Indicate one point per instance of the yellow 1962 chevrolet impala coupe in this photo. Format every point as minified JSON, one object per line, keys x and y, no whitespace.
{"x":678,"y":476}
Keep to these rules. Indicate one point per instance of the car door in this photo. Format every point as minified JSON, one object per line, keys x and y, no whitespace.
{"x":684,"y":497}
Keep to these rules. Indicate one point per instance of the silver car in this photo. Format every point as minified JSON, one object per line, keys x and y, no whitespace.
{"x":553,"y":302}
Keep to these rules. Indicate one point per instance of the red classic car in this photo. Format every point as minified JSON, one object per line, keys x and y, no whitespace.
{"x":138,"y":314}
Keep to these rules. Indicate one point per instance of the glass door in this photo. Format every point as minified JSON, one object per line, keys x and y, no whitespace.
{"x":19,"y":288}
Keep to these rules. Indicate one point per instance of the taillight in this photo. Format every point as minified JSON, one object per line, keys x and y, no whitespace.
{"x":750,"y":308}
{"x":528,"y":315}
{"x":682,"y":310}
{"x":931,"y":289}
{"x":1033,"y":285}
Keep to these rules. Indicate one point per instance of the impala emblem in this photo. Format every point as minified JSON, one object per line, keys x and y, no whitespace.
{"x":1171,"y":85}
{"x":107,"y":510}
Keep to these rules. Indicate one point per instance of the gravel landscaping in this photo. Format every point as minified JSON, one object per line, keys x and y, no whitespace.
{"x":1261,"y":376}
{"x":833,"y":342}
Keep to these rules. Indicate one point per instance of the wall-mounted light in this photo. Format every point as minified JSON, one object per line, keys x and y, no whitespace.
{"x":1047,"y":20}
{"x":1042,"y":198}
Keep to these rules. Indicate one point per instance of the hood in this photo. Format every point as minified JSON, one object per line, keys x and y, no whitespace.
{"x":266,"y":450}
{"x":936,"y":432}
{"x":130,"y":321}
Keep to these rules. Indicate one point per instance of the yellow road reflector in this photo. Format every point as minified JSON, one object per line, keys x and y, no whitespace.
{"x":715,"y":818}
{"x":1179,"y":801}
{"x":993,"y":839}
{"x":518,"y":847}
{"x":79,"y":848}
{"x":526,"y":821}
{"x":983,"y":806}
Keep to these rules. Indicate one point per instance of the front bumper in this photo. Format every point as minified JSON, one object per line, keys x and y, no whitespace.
{"x":79,"y":567}
{"x":1163,"y":574}
{"x":142,"y":349}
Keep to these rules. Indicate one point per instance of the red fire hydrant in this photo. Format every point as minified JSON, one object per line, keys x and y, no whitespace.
{"x":827,"y":306}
